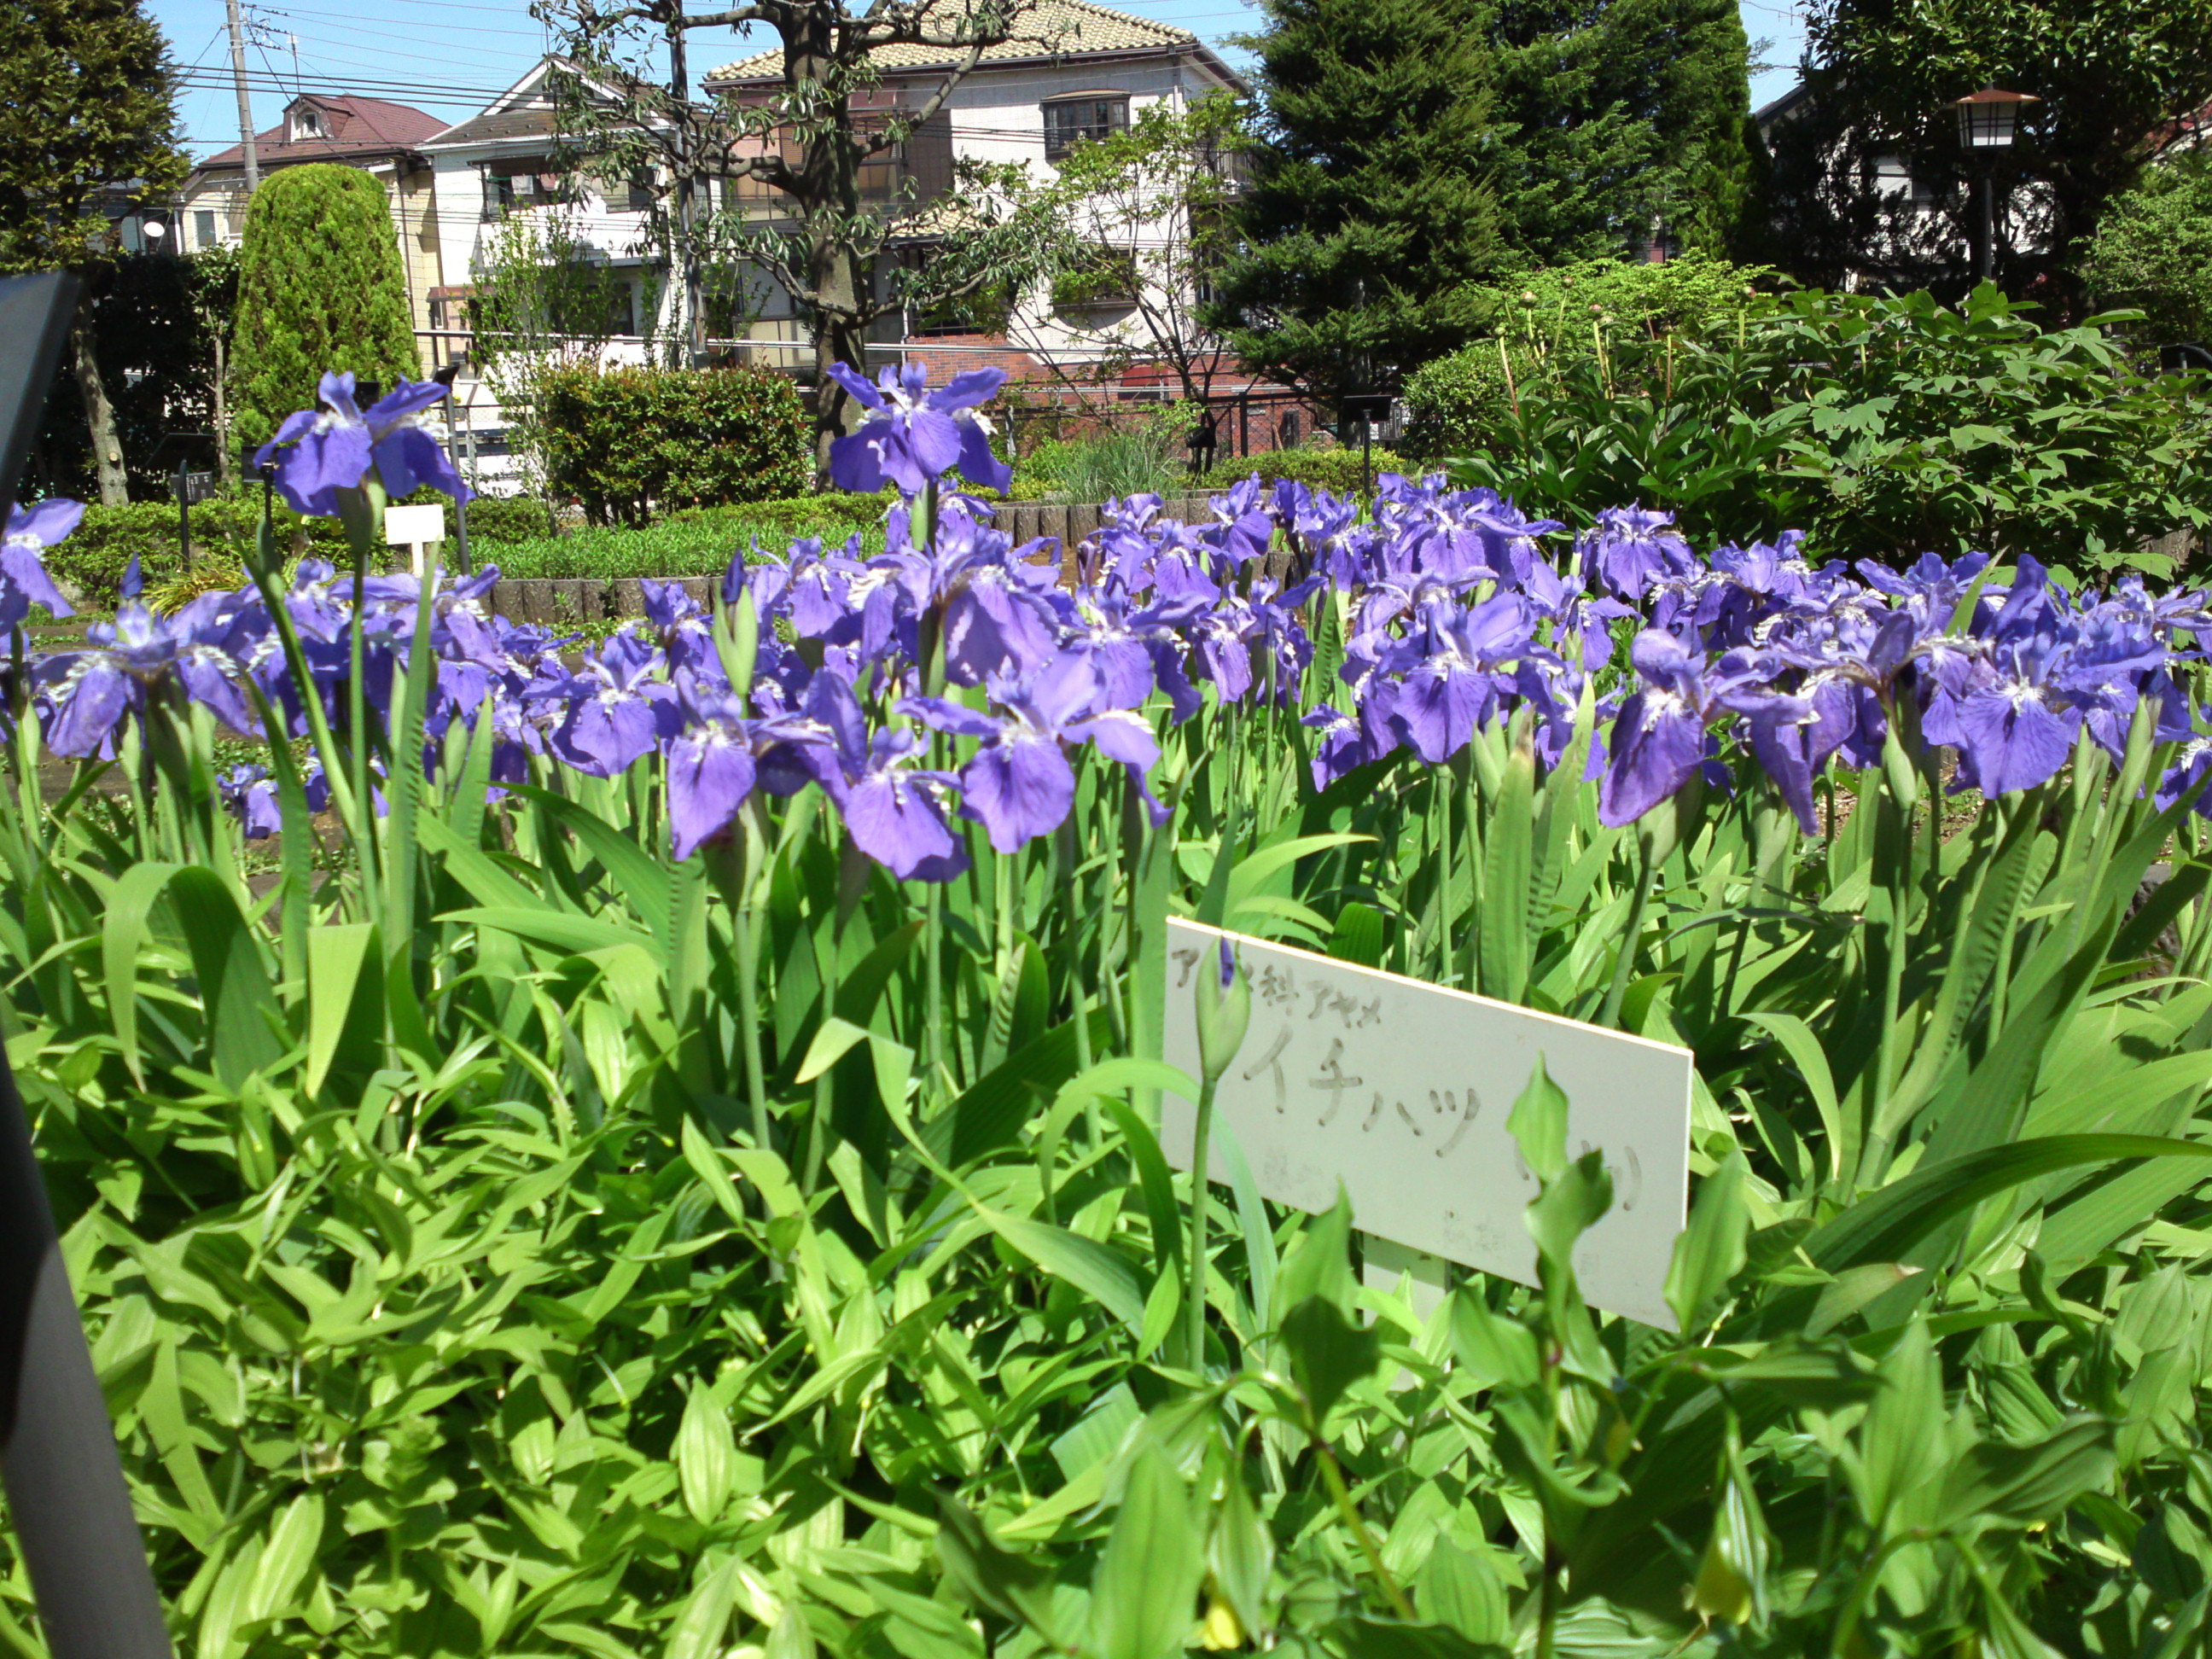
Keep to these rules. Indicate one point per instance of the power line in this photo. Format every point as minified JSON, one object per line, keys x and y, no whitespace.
{"x":370,"y":85}
{"x":352,"y":28}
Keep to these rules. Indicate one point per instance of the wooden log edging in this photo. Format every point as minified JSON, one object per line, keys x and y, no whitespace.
{"x":567,"y":602}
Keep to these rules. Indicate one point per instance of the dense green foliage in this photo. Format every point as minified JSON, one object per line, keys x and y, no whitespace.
{"x":1409,"y":156}
{"x":631,"y":442}
{"x":509,"y":1242}
{"x":86,"y":115}
{"x":1882,"y":427}
{"x":1341,"y":470}
{"x":1367,"y":208}
{"x":1149,"y":455}
{"x":692,"y":543}
{"x":1619,"y":123}
{"x":2152,"y":253}
{"x":2113,"y":75}
{"x":319,"y":283}
{"x":1540,"y":318}
{"x":93,"y":559}
{"x":87,"y":131}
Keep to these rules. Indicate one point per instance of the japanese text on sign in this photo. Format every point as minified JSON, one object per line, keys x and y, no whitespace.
{"x":1400,"y":1090}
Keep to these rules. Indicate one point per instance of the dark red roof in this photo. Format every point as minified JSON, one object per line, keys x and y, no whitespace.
{"x":352,"y":126}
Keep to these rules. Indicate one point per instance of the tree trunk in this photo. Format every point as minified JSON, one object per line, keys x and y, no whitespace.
{"x":99,"y":413}
{"x":835,"y":342}
{"x":839,"y":282}
{"x":226,"y":458}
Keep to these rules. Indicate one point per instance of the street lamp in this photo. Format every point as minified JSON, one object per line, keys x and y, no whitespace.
{"x":1986,"y":121}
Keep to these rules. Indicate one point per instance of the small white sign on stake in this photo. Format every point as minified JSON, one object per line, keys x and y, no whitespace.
{"x":412,"y":527}
{"x":1400,"y":1090}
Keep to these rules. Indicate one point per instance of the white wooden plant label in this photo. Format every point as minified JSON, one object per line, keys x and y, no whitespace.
{"x":1400,"y":1090}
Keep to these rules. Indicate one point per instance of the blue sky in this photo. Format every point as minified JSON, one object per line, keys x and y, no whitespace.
{"x":449,"y":56}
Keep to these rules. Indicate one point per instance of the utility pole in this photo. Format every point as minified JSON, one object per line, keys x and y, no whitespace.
{"x":687,"y":251}
{"x":244,"y":103}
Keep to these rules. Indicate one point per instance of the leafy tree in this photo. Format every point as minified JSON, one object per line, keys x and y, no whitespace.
{"x":1144,"y":218}
{"x":87,"y":124}
{"x":2115,"y":77}
{"x":828,"y":249}
{"x":543,"y":304}
{"x":2154,"y":251}
{"x":320,"y":287}
{"x":1369,"y":209}
{"x":1621,"y":122}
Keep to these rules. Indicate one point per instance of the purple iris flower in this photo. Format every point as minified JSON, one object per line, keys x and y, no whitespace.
{"x":251,"y":795}
{"x":615,"y":712}
{"x":1453,"y":666}
{"x":711,"y":767}
{"x":1659,"y":740}
{"x":1019,"y":784}
{"x":23,"y":579}
{"x":2013,"y":734}
{"x":137,"y":655}
{"x":2185,"y":780}
{"x":893,"y":810}
{"x":909,"y":436}
{"x":1931,"y":589}
{"x":317,"y":455}
{"x":1630,"y":548}
{"x":1341,"y":747}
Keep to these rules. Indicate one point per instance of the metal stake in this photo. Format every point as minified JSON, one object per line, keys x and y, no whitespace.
{"x":69,"y":1508}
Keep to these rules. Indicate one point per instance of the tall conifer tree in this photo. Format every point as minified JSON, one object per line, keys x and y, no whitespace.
{"x":320,"y":287}
{"x":1370,"y":209}
{"x":1621,"y":121}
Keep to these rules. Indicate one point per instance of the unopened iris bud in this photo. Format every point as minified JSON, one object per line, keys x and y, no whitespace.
{"x":1224,"y":1011}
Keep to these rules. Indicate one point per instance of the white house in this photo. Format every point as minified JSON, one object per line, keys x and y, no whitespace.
{"x":495,"y":171}
{"x":1072,"y":70}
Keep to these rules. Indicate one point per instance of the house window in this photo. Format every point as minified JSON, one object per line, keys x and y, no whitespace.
{"x":1092,"y":115}
{"x":524,"y":183}
{"x":1104,"y":279}
{"x":640,"y":191}
{"x":1894,"y":180}
{"x":306,"y":123}
{"x":203,"y":234}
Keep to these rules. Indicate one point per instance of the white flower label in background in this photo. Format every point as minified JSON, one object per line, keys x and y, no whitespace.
{"x":1400,"y":1090}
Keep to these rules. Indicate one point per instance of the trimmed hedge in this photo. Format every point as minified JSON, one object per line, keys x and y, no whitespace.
{"x":833,"y":513}
{"x":320,"y":287}
{"x":632,"y":443}
{"x":1340,"y":470}
{"x":93,"y":560}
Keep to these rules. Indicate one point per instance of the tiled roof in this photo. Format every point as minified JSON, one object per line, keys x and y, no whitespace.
{"x":528,"y":122}
{"x":1044,"y":28}
{"x":355,"y":126}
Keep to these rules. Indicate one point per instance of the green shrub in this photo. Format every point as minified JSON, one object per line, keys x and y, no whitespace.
{"x":1882,"y":426}
{"x":320,"y":287}
{"x":833,"y":513}
{"x":508,"y":519}
{"x":629,"y":442}
{"x":677,"y":546}
{"x":2153,"y":252}
{"x":1624,"y":311}
{"x":93,"y":560}
{"x":1342,"y":471}
{"x":1148,"y":455}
